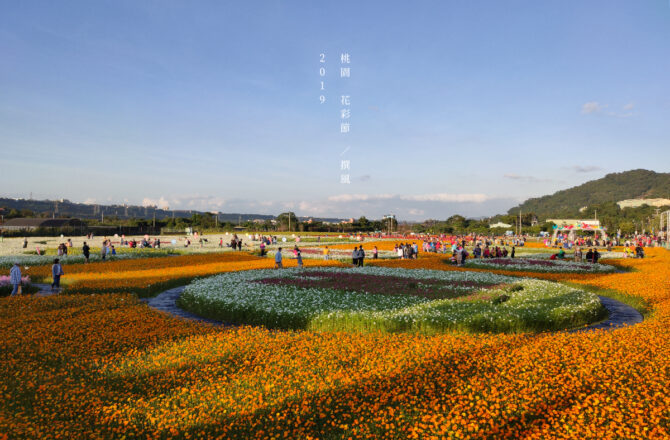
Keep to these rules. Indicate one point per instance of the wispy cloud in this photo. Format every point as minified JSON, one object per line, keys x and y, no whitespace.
{"x":592,"y":107}
{"x":161,"y":202}
{"x":373,"y":206}
{"x":195,"y":202}
{"x":446,"y":197}
{"x":584,"y":169}
{"x":528,"y":179}
{"x":436,"y":197}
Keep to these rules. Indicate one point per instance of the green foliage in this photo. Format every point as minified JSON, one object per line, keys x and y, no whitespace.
{"x":603,"y":193}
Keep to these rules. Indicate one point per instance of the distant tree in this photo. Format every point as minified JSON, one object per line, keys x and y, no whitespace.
{"x":287,"y":221}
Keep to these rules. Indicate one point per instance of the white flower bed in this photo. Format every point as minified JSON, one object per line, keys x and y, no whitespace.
{"x":38,"y":260}
{"x":235,"y":297}
{"x":537,"y":265}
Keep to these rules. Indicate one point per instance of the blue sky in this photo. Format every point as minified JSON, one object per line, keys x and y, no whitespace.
{"x":456,"y":107}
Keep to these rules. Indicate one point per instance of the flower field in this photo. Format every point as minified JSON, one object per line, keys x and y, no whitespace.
{"x":339,"y":254}
{"x":107,"y":366}
{"x":538,"y":265}
{"x":148,"y":276}
{"x":77,"y":257}
{"x":390,"y":300}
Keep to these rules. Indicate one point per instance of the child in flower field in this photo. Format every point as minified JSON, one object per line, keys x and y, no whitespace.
{"x":298,"y":256}
{"x":326,"y":253}
{"x":278,"y":258}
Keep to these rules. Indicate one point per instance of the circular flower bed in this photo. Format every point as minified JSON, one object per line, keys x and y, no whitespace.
{"x":391,"y":300}
{"x":538,"y":265}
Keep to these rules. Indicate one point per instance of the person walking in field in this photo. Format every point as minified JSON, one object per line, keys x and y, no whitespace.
{"x":15,"y":278}
{"x":278,"y":259}
{"x":56,"y":273}
{"x":298,"y":256}
{"x":326,"y":253}
{"x":375,"y":253}
{"x":86,"y":250}
{"x":361,"y":256}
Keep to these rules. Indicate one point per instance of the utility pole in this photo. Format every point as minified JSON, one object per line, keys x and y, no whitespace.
{"x":289,"y":221}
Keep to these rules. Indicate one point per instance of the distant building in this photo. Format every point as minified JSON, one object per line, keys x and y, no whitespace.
{"x":636,"y":203}
{"x":500,"y":225}
{"x":32,"y":224}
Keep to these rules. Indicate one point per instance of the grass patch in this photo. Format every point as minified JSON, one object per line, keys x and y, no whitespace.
{"x":29,"y":289}
{"x":636,"y":302}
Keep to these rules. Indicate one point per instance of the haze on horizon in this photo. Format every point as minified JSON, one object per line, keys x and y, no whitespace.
{"x":455,"y":107}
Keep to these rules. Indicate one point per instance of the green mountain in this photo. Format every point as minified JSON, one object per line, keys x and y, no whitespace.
{"x":634,"y":184}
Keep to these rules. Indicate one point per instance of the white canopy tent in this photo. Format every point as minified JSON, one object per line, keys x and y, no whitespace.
{"x":571,"y":226}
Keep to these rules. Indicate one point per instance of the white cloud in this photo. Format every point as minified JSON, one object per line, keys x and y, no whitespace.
{"x":592,"y":107}
{"x":195,"y":202}
{"x":358,"y":197}
{"x":584,"y":169}
{"x":417,"y":212}
{"x":529,"y":179}
{"x":161,"y":203}
{"x":437,"y":197}
{"x":446,"y":197}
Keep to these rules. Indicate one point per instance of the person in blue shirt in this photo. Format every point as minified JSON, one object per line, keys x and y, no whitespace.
{"x":15,"y":278}
{"x":278,"y":258}
{"x":56,"y":272}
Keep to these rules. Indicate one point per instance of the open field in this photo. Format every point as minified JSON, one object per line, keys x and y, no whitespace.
{"x":96,"y":362}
